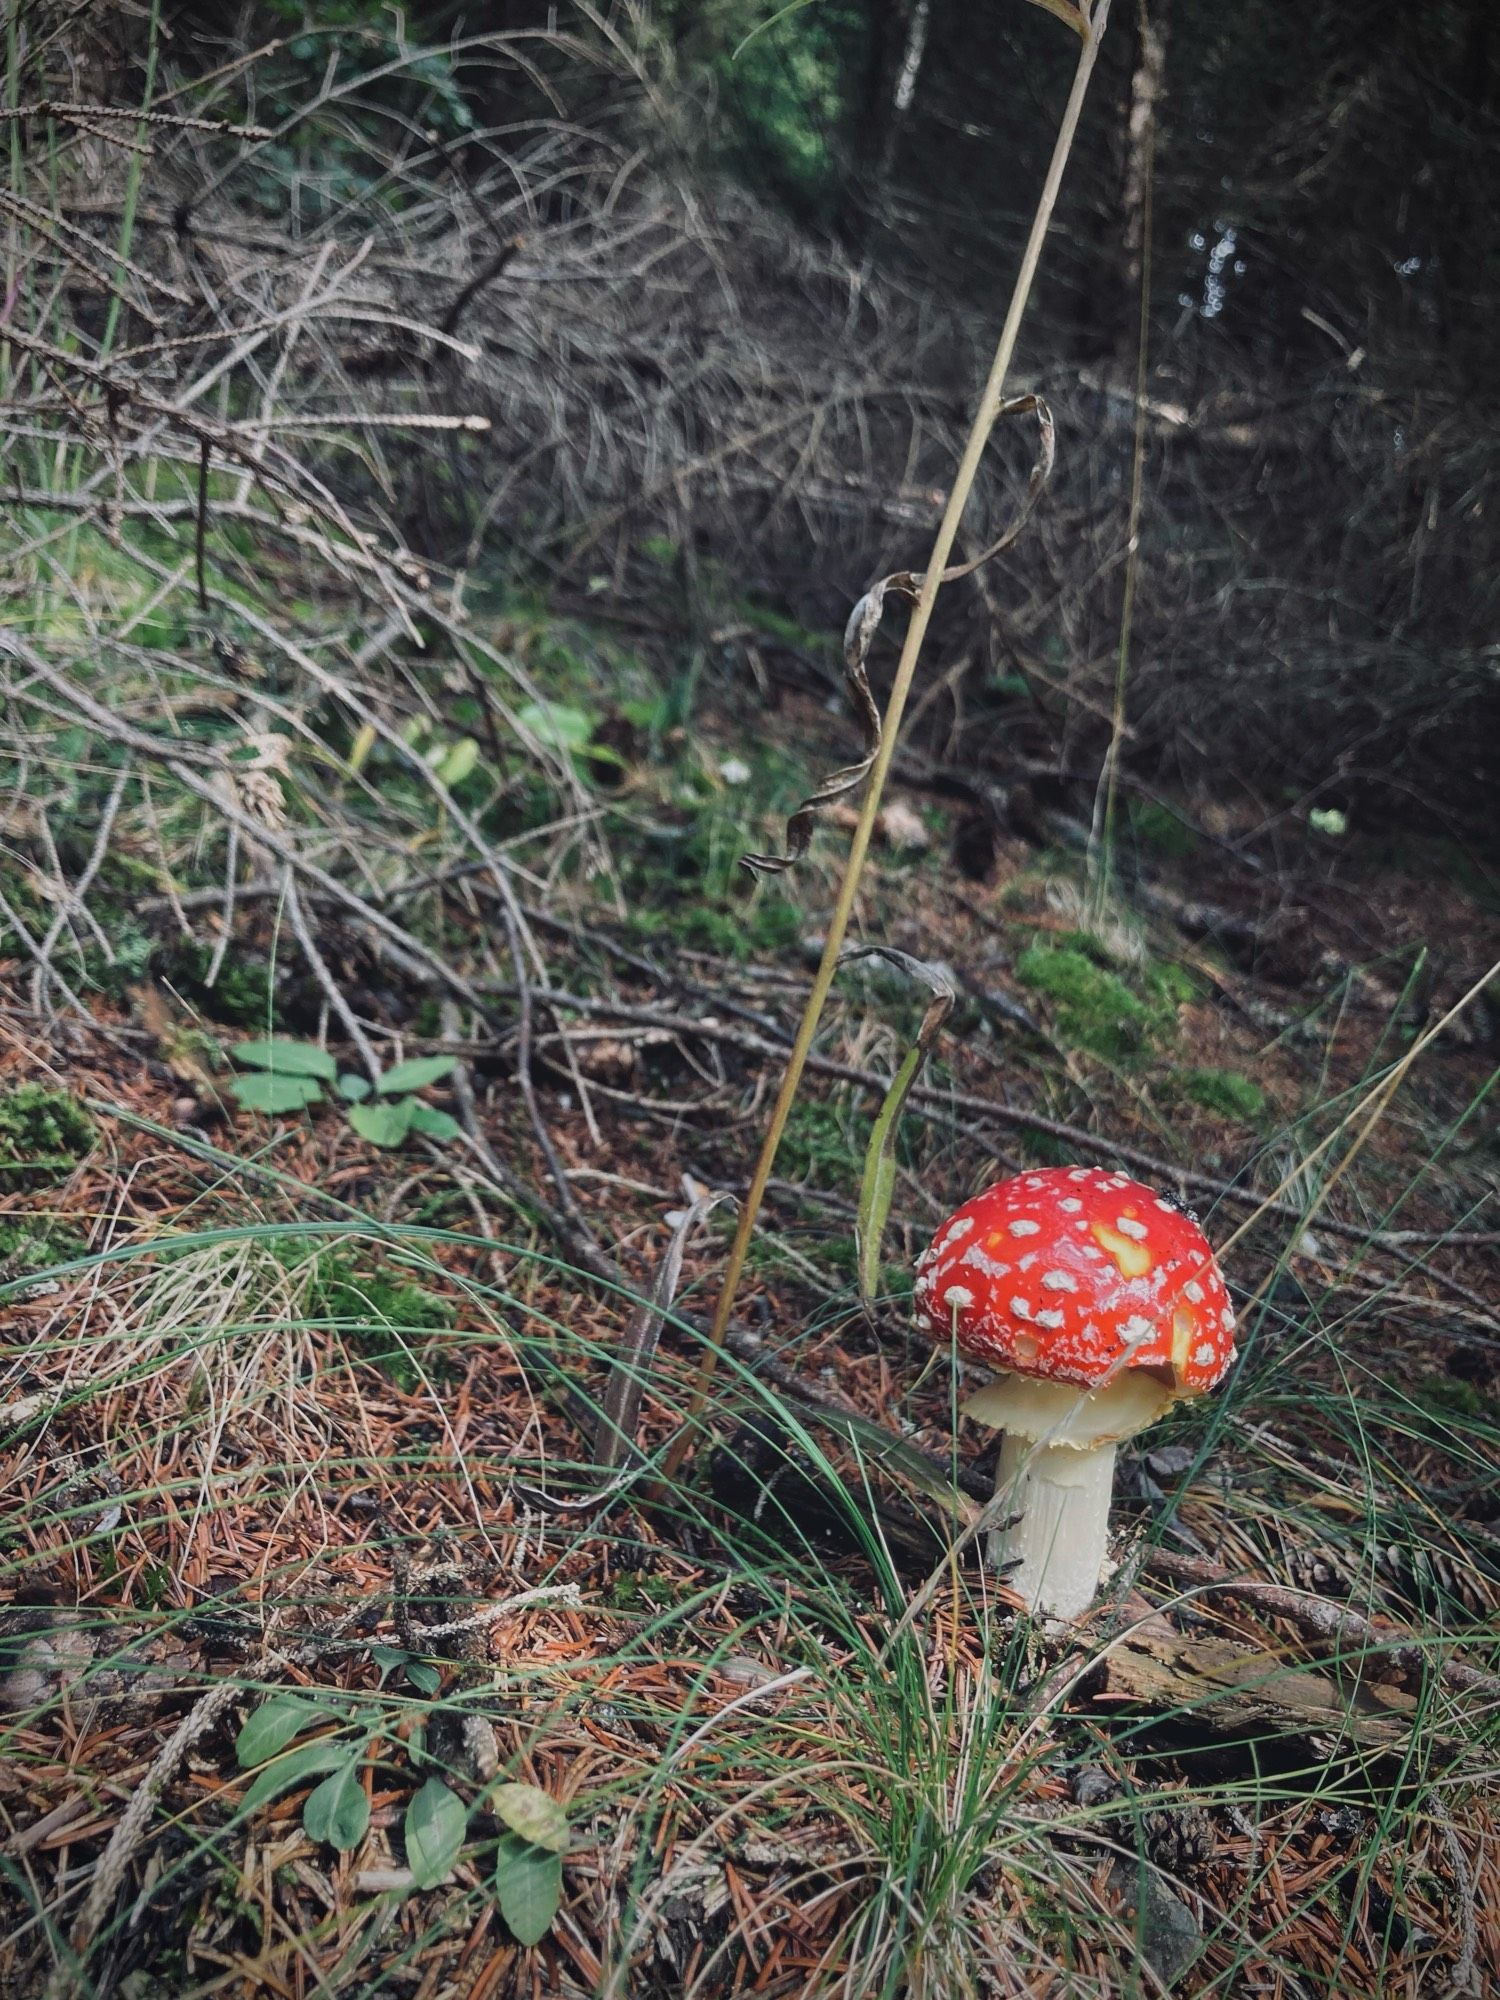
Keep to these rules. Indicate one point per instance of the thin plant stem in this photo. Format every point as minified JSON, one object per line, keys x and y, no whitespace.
{"x":984,"y":423}
{"x":1102,"y":832}
{"x":132,"y":185}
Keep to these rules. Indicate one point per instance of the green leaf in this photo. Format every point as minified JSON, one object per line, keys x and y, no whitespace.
{"x":354,"y":1089}
{"x":273,"y":1726}
{"x":533,"y":1814}
{"x":287,"y":1058}
{"x":416,"y":1074}
{"x":436,"y":1124}
{"x":879,"y":1182}
{"x":459,"y":762}
{"x":272,"y":1095}
{"x":557,"y":726}
{"x":289,"y":1770}
{"x":528,"y":1882}
{"x":424,"y":1678}
{"x":338,"y":1810}
{"x":382,"y":1124}
{"x":436,"y":1822}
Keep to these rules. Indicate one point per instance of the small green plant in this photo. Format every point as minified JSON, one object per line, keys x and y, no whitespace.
{"x":43,"y":1133}
{"x":559,"y":725}
{"x":453,"y":758}
{"x":290,"y":1076}
{"x":336,"y":1812}
{"x":242,"y":994}
{"x":528,"y":1860}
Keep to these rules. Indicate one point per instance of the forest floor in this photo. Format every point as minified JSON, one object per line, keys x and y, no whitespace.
{"x":410,"y":506}
{"x":289,"y":1411}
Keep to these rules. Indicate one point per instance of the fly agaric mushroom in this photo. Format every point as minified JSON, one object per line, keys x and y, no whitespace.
{"x":1101,"y":1305}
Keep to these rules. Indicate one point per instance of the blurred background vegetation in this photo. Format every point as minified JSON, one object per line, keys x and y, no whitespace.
{"x":1315,"y":601}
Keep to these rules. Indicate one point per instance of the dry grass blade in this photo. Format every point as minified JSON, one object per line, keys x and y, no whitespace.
{"x":619,"y":1415}
{"x":991,"y":403}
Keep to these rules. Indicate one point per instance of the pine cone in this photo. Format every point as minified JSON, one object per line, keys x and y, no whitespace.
{"x":1317,"y":1570}
{"x":1178,"y":1839}
{"x":1433,"y":1584}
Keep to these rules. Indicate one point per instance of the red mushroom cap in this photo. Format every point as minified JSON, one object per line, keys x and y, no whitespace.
{"x":1072,"y":1274}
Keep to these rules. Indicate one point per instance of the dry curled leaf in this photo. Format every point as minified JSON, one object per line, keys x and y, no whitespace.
{"x":1076,"y":16}
{"x":859,"y":633}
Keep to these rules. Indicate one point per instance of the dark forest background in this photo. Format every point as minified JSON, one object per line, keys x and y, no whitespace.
{"x":1316,"y":593}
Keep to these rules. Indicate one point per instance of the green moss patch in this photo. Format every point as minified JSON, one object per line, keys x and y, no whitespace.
{"x":30,"y":1244}
{"x":1228,"y":1093}
{"x":1094,"y":1009}
{"x":1158,"y":829}
{"x":43,"y":1134}
{"x":380,"y":1314}
{"x":1111,"y":1013}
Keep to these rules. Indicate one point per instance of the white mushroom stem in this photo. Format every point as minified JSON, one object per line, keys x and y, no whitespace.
{"x":1057,"y":1464}
{"x":1058,"y":1545}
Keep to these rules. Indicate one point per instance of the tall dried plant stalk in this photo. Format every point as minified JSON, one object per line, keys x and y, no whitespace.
{"x":1090,"y":28}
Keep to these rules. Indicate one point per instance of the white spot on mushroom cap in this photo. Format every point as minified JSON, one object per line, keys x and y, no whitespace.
{"x":1203,"y":1354}
{"x":1194,"y":1291}
{"x":1059,"y":1281}
{"x":1053,"y":1319}
{"x":1025,"y":1263}
{"x":958,"y":1295}
{"x":954,"y":1232}
{"x":1022,"y":1227}
{"x":1020,"y":1308}
{"x":1226,"y":1319}
{"x":1081,"y":1174}
{"x":979,"y":1259}
{"x":1166,"y":1207}
{"x":1128,"y":1226}
{"x":1136,"y":1329}
{"x":1071,"y":1206}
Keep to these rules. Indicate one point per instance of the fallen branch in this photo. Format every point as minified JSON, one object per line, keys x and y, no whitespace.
{"x":1332,"y":1624}
{"x":1227,"y":1690}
